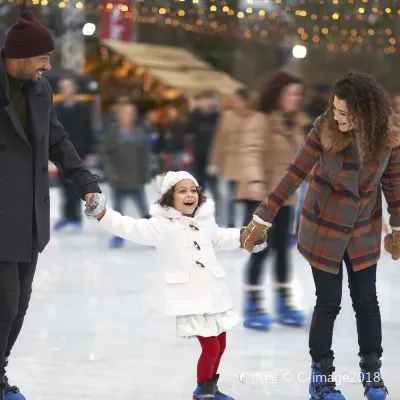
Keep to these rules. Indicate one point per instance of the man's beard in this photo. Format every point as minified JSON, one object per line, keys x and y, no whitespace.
{"x":37,"y":74}
{"x":31,"y":77}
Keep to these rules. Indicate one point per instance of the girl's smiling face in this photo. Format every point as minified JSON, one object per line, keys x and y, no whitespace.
{"x":186,"y":197}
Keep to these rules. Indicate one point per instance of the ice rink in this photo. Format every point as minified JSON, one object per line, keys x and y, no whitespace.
{"x":95,"y":329}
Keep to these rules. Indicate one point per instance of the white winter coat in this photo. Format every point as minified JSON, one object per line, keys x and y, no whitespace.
{"x":194,"y":279}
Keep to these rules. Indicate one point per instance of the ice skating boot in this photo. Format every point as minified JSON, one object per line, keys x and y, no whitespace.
{"x":374,"y":388}
{"x":61,"y":224}
{"x":11,"y":392}
{"x":205,"y":390}
{"x":219,"y":395}
{"x":254,"y":316}
{"x":322,"y":385}
{"x":286,"y":314}
{"x":116,"y":243}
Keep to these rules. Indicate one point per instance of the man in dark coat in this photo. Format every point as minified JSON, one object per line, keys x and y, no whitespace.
{"x":30,"y":136}
{"x":75,"y":117}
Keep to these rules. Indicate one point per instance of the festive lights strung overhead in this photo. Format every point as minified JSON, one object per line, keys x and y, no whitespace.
{"x":324,"y":27}
{"x":326,"y":30}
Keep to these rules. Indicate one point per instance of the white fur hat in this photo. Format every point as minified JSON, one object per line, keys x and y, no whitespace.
{"x":169,"y":180}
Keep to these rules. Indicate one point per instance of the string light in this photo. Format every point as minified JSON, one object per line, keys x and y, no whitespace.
{"x":362,"y":32}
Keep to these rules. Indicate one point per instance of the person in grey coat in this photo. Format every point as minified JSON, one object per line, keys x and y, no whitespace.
{"x":128,"y":161}
{"x":31,"y":135}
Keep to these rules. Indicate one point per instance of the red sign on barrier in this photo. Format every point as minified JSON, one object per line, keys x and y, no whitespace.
{"x":116,"y":20}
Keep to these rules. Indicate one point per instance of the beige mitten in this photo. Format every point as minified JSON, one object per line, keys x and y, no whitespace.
{"x":392,"y":244}
{"x":253,"y":234}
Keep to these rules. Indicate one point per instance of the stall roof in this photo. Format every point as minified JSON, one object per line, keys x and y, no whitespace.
{"x":151,"y":55}
{"x":175,"y":67}
{"x":194,"y":81}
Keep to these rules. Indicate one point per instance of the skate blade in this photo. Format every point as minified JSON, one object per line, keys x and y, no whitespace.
{"x":257,"y":327}
{"x":295,"y":324}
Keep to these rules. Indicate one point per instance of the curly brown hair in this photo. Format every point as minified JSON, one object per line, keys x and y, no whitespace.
{"x":167,"y":199}
{"x":368,"y":102}
{"x":272,"y":89}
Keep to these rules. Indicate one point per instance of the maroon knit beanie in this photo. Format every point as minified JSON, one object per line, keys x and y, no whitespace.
{"x":27,"y":38}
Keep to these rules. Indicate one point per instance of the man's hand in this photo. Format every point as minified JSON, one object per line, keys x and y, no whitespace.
{"x":87,"y":199}
{"x":392,"y":244}
{"x":95,"y":205}
{"x":254,"y":232}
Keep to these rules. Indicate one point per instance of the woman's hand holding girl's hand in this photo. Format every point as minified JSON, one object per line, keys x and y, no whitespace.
{"x":253,"y":233}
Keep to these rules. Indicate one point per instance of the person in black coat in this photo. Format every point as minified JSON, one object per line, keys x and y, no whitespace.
{"x":75,"y":117}
{"x":31,"y":135}
{"x":202,"y":125}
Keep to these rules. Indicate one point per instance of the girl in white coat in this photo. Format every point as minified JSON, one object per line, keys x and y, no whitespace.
{"x":184,"y":232}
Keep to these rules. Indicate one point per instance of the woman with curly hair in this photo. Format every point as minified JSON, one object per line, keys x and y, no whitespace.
{"x":272,"y":137}
{"x":352,"y":152}
{"x":184,"y":232}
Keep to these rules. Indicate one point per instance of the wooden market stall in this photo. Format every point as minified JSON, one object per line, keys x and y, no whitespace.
{"x":153,"y":73}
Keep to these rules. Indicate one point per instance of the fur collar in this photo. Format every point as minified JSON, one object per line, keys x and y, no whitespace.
{"x":205,"y":211}
{"x":335,"y":141}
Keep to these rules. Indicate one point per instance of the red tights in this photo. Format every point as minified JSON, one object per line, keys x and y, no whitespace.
{"x":212,"y":349}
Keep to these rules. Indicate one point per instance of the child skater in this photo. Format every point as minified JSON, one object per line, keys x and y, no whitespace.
{"x":183,"y":230}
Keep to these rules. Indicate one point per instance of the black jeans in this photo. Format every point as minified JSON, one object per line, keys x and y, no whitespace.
{"x":277,"y":240}
{"x":362,"y":285}
{"x":72,"y":206}
{"x":15,"y":293}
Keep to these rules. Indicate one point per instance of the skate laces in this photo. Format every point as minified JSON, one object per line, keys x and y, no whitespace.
{"x":323,"y":380}
{"x":370,"y":376}
{"x":8,"y":388}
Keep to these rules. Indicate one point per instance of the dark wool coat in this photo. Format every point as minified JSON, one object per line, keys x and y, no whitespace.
{"x":343,"y":206}
{"x":24,"y":181}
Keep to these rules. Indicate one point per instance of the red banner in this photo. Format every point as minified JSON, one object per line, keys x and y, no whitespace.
{"x":116,"y":20}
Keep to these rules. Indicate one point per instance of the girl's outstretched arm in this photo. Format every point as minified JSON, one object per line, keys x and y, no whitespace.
{"x":226,"y":238}
{"x":142,"y":231}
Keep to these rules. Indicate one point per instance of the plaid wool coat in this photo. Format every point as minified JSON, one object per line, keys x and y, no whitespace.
{"x":343,"y":206}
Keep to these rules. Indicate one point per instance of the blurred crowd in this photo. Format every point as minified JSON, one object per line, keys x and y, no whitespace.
{"x":244,"y":148}
{"x":247,"y":145}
